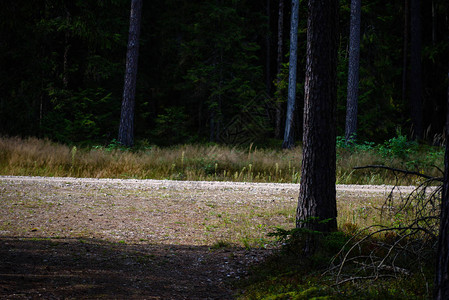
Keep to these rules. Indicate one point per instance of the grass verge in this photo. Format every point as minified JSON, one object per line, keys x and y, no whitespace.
{"x":37,"y":157}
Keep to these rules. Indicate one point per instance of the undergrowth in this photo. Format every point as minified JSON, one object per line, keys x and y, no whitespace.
{"x":393,"y":258}
{"x":37,"y":157}
{"x":289,"y":274}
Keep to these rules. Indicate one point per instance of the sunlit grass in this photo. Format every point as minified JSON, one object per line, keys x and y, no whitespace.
{"x":37,"y":157}
{"x":362,"y":217}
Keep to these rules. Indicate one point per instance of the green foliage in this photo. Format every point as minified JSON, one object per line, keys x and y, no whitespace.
{"x":398,"y":147}
{"x":171,"y":127}
{"x":353,"y":145}
{"x":293,"y":242}
{"x":65,"y":54}
{"x":114,"y":145}
{"x":62,"y":64}
{"x":397,"y":152}
{"x":221,"y":59}
{"x":311,"y":293}
{"x":78,"y":117}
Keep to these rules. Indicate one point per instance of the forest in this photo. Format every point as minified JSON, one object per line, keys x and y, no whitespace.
{"x":216,"y":101}
{"x":211,"y":71}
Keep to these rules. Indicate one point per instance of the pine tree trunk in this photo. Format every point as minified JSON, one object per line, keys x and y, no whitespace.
{"x":404,"y":50}
{"x":353,"y":71}
{"x":126,"y":129}
{"x":289,"y":141}
{"x":212,"y":134}
{"x":317,"y":196}
{"x":268,"y":81}
{"x":442,"y":266}
{"x":277,"y":131}
{"x":416,"y":106}
{"x":433,"y":24}
{"x":65,"y":66}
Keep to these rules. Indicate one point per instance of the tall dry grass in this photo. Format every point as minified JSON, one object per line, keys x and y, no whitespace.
{"x":189,"y":162}
{"x":38,"y":157}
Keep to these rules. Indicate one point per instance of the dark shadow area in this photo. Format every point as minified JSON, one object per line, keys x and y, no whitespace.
{"x":88,"y":268}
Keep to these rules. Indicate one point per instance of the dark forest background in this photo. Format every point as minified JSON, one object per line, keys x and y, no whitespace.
{"x":206,"y":70}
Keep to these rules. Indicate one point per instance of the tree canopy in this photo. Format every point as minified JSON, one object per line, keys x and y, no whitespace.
{"x":202,"y":70}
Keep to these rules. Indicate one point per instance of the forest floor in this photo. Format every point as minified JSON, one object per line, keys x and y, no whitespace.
{"x":139,"y":239}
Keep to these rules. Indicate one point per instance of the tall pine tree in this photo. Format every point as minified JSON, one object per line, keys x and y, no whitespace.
{"x":126,"y":129}
{"x":353,"y":71}
{"x":317,"y":208}
{"x":289,"y":120}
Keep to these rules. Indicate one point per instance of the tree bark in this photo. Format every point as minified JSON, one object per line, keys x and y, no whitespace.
{"x":353,"y":71}
{"x":215,"y":106}
{"x":433,"y":23}
{"x":416,"y":106}
{"x":317,"y":195}
{"x":289,"y":141}
{"x":126,"y":129}
{"x":404,"y":50}
{"x":277,"y":130}
{"x":65,"y":66}
{"x":212,"y":134}
{"x":442,"y":266}
{"x":268,"y":81}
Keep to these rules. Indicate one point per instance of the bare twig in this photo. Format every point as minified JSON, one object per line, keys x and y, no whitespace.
{"x":394,"y":269}
{"x":412,"y":240}
{"x":406,"y":172}
{"x":361,"y":278}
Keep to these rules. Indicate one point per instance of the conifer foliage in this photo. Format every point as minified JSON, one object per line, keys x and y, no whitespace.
{"x":202,"y":64}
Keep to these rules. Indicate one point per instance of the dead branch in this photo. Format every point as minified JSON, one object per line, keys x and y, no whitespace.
{"x":413,"y":237}
{"x":405,"y":172}
{"x":362,"y":278}
{"x":393,"y":269}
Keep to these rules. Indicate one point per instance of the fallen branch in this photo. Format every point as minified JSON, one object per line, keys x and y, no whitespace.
{"x":362,"y":278}
{"x":394,"y":269}
{"x":406,"y":172}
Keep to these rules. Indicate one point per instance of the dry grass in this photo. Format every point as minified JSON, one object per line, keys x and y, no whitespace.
{"x":192,"y":162}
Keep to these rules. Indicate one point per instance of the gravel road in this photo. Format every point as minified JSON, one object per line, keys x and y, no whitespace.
{"x":137,"y":183}
{"x":140,"y":239}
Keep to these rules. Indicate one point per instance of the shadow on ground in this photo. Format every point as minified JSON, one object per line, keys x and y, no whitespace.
{"x":87,"y":268}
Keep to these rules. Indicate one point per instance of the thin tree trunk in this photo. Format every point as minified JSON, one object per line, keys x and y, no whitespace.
{"x":65,"y":67}
{"x":289,"y":122}
{"x":268,"y":81}
{"x":126,"y":129}
{"x":353,"y":72}
{"x":212,"y":134}
{"x":317,"y":195}
{"x":416,"y":70}
{"x":279,"y":60}
{"x":433,"y":23}
{"x":442,"y":266}
{"x":404,"y":50}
